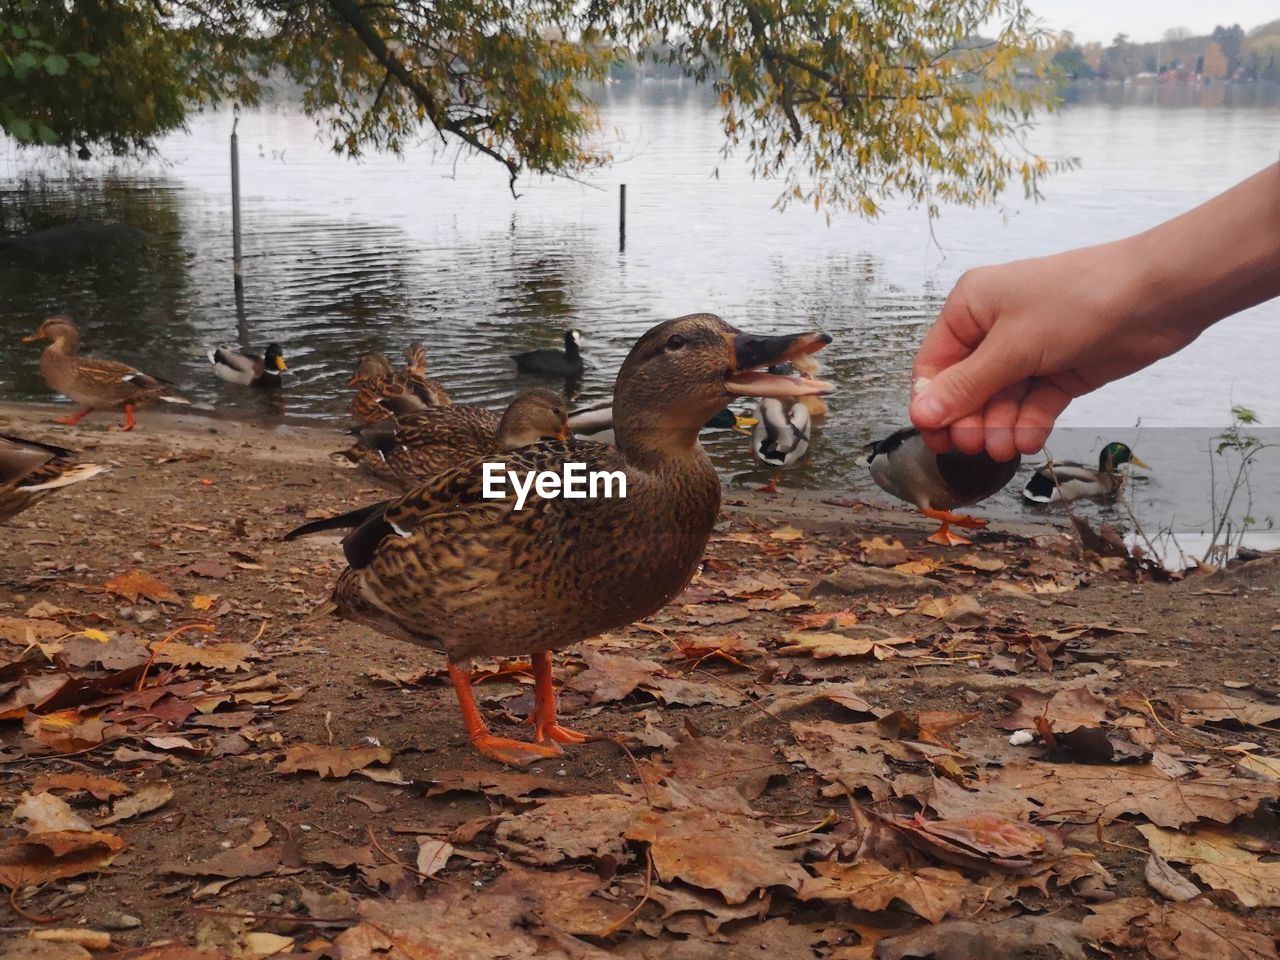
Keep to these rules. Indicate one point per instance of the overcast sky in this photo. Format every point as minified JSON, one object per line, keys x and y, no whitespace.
{"x":1147,"y":20}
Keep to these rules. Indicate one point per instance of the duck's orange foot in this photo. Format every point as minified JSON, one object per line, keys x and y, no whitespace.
{"x":72,"y":419}
{"x":129,"y":422}
{"x":948,"y":537}
{"x":513,"y":753}
{"x":770,"y":487}
{"x":558,"y":734}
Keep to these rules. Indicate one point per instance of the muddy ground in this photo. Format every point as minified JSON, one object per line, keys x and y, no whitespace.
{"x":829,"y":676}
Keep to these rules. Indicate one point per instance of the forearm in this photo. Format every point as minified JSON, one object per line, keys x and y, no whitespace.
{"x":1213,"y":261}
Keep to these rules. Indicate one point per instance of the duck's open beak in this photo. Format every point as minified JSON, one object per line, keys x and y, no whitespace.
{"x":33,"y":337}
{"x":564,"y":433}
{"x":1138,"y":463}
{"x":752,"y":352}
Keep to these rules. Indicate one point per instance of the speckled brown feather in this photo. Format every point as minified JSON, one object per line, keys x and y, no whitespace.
{"x":477,"y":577}
{"x":395,"y":394}
{"x":25,"y":464}
{"x":425,"y":444}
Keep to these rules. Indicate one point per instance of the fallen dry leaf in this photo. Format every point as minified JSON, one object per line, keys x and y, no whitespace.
{"x":220,"y":656}
{"x":135,"y":584}
{"x":42,"y":857}
{"x":981,"y":841}
{"x":433,"y":855}
{"x":331,"y":762}
{"x":569,"y":828}
{"x":101,"y":788}
{"x":241,"y":861}
{"x":1065,"y":709}
{"x":930,"y":892}
{"x":732,"y":855}
{"x":1168,"y":882}
{"x":972,"y":939}
{"x":148,"y":797}
{"x":961,"y":611}
{"x":1217,"y":859}
{"x":1172,"y":931}
{"x":1226,"y":710}
{"x":46,"y":813}
{"x":823,"y":645}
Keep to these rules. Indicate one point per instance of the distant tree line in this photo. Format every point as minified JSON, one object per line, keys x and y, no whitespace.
{"x":1226,"y":53}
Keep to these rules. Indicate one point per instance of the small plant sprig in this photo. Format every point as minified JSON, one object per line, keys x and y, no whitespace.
{"x":1240,"y":448}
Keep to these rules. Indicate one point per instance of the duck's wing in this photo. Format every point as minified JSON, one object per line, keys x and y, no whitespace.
{"x":118,"y":381}
{"x":1056,"y":481}
{"x":20,"y":457}
{"x":974,"y":477}
{"x":250,"y":363}
{"x":596,"y":418}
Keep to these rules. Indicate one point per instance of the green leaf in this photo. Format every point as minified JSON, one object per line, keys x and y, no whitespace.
{"x":19,"y":129}
{"x":18,"y":30}
{"x":55,"y":64}
{"x":24,"y":64}
{"x":86,"y":59}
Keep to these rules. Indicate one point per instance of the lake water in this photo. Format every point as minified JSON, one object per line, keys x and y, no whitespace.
{"x":344,"y":257}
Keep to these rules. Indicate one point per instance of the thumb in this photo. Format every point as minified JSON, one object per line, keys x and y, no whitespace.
{"x":964,"y":387}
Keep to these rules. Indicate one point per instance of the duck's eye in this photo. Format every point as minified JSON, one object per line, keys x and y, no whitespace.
{"x":675,"y":342}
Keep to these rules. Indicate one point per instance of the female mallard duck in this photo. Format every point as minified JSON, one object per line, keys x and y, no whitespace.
{"x":450,"y":567}
{"x":422,"y":445}
{"x":937,"y":483}
{"x":1068,"y":481}
{"x":781,"y":436}
{"x":250,"y":369}
{"x":595,"y":423}
{"x":383,"y":393}
{"x":94,"y":384}
{"x":30,"y":471}
{"x":553,"y":362}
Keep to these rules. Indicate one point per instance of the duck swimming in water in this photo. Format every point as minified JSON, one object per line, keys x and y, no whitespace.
{"x":781,"y":435}
{"x":94,"y":384}
{"x":250,"y":369}
{"x":449,"y":568}
{"x":551,"y":362}
{"x":1069,"y":481}
{"x":937,"y":483}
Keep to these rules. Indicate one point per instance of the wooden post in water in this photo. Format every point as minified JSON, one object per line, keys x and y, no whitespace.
{"x":622,"y":218}
{"x":235,"y":201}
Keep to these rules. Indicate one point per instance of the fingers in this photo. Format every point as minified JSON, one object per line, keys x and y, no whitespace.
{"x":999,"y":419}
{"x":1039,"y":410}
{"x":965,"y":387}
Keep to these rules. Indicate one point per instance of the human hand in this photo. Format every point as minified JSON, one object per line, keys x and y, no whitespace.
{"x":1014,"y":344}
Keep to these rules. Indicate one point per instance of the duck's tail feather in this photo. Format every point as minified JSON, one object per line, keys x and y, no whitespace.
{"x":81,"y":471}
{"x":345,"y":521}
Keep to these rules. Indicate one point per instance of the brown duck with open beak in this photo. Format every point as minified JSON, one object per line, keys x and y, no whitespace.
{"x":449,"y":568}
{"x":94,"y":384}
{"x":31,"y":470}
{"x":418,"y":446}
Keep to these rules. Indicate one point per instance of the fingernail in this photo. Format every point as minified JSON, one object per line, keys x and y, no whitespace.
{"x":917,"y":388}
{"x":926,"y":406}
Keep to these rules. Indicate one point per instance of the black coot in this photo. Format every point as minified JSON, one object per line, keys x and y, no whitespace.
{"x":552,"y":362}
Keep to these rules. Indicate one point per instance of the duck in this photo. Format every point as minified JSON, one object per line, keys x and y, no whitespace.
{"x":250,"y":369}
{"x":595,"y":422}
{"x":937,"y":483}
{"x":552,"y":362}
{"x":383,"y":392}
{"x":30,"y":470}
{"x":470,"y":571}
{"x":422,"y":445}
{"x":1070,"y":481}
{"x":781,"y":435}
{"x":94,"y":384}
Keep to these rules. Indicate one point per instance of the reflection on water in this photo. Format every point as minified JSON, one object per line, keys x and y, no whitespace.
{"x":345,"y":257}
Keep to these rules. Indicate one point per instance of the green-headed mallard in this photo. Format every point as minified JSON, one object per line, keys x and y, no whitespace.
{"x":553,"y":362}
{"x":250,"y":369}
{"x":595,"y":422}
{"x":937,"y":483}
{"x":420,"y":445}
{"x":449,"y":567}
{"x":31,"y":470}
{"x":94,"y":384}
{"x":1068,"y":481}
{"x":781,"y":435}
{"x":383,"y":393}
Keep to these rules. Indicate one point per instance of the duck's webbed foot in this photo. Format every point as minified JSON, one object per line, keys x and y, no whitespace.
{"x":72,"y":419}
{"x":513,"y":753}
{"x":543,"y":717}
{"x":772,"y":485}
{"x":945,"y":535}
